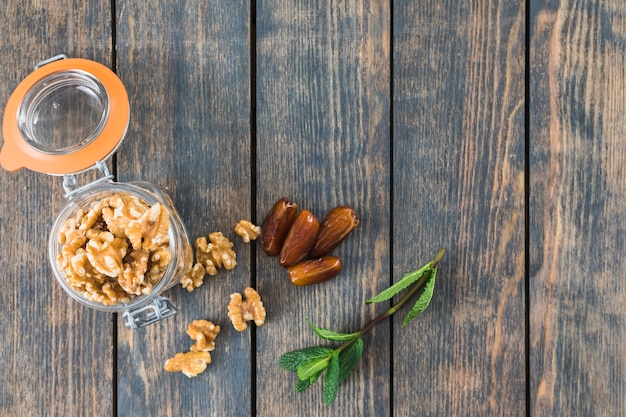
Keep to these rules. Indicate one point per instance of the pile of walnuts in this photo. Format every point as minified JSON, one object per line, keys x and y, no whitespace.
{"x":115,"y":250}
{"x":217,"y":253}
{"x":212,"y":255}
{"x":240,"y":311}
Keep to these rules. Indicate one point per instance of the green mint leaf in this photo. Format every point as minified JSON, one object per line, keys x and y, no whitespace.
{"x":332,"y":335}
{"x":349,"y":358}
{"x":331,"y":380}
{"x":292,"y":360}
{"x":302,"y":385}
{"x":424,"y":299}
{"x":311,"y":368}
{"x":404,"y":283}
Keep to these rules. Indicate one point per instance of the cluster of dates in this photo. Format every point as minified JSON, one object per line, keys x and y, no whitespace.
{"x":302,"y":244}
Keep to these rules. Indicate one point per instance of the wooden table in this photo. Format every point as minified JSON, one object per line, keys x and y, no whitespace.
{"x":495,"y":129}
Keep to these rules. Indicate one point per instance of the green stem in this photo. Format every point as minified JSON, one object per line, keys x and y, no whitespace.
{"x":397,"y":306}
{"x":345,"y":345}
{"x":438,"y":257}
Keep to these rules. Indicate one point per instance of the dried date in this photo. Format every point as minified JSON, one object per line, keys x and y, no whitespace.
{"x":300,"y":238}
{"x":277,"y":225}
{"x":337,"y":225}
{"x":314,"y":271}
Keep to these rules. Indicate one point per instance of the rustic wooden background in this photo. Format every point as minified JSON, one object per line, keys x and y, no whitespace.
{"x":492,"y":128}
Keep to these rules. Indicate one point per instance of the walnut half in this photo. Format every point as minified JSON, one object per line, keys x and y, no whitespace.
{"x":241,"y":311}
{"x":150,"y":230}
{"x":189,"y":363}
{"x":247,"y":231}
{"x":216,"y":254}
{"x":204,"y":333}
{"x":194,"y":278}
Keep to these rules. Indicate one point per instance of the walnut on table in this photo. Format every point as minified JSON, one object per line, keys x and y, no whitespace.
{"x":218,"y":253}
{"x":194,"y":278}
{"x":241,"y":311}
{"x":204,"y":333}
{"x":247,"y":230}
{"x":189,"y":363}
{"x":204,"y":255}
{"x":211,"y":254}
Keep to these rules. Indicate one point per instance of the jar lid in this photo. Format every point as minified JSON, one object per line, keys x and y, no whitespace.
{"x":64,"y":117}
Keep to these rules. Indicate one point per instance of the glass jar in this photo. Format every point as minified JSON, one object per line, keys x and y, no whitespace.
{"x":67,"y":117}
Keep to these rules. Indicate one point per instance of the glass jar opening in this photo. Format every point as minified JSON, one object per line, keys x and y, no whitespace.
{"x":63,"y":112}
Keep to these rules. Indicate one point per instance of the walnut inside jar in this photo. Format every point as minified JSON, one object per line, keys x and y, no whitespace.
{"x":115,"y":250}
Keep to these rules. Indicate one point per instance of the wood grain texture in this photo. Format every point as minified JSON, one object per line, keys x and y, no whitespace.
{"x":412,"y":112}
{"x":458,"y":147}
{"x":55,"y":355}
{"x":323,"y":141}
{"x":577,"y":217}
{"x":186,"y":67}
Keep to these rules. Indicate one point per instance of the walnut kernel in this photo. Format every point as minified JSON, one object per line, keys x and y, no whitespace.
{"x":150,"y":230}
{"x":90,"y":219}
{"x":70,"y":227}
{"x":106,"y":253}
{"x":241,"y":311}
{"x":159,"y":261}
{"x":204,"y":255}
{"x":132,"y":278}
{"x":194,"y":278}
{"x":189,"y":363}
{"x":123,"y":208}
{"x":204,"y":333}
{"x":247,"y":230}
{"x":217,"y":254}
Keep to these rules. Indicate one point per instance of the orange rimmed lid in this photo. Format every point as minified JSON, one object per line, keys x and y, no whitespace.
{"x":63,"y":117}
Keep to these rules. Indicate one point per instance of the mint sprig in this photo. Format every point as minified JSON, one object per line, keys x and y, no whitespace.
{"x":310,"y":363}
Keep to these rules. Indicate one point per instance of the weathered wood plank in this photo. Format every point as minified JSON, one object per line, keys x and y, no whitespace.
{"x":577,"y":217}
{"x":459,"y":182}
{"x":55,"y":355}
{"x":186,"y":67}
{"x":323,"y":140}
